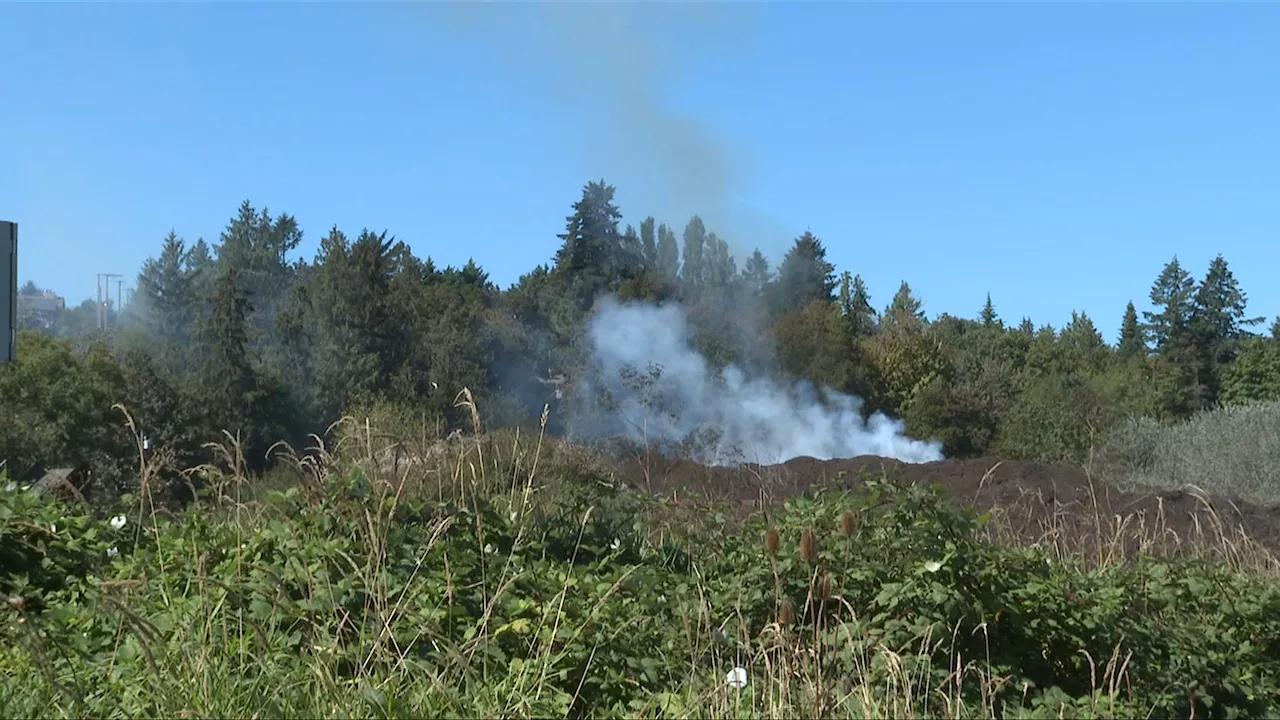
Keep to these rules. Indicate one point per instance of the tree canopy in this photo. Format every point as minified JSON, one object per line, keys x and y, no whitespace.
{"x":240,"y":334}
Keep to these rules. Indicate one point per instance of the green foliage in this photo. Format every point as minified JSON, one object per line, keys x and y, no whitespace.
{"x":593,"y":257}
{"x":855,"y":305}
{"x":1130,"y":344}
{"x":1053,"y":420}
{"x":920,"y":585}
{"x":239,"y":335}
{"x":905,"y":310}
{"x":167,"y":304}
{"x":804,"y":276}
{"x":56,"y":409}
{"x":233,"y":394}
{"x":1218,"y":323}
{"x":988,"y":316}
{"x":904,"y":361}
{"x":1255,"y":374}
{"x":346,"y":596}
{"x":814,"y":342}
{"x":1173,"y":292}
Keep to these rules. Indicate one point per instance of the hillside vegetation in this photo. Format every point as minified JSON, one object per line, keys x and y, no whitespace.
{"x":513,"y":578}
{"x":363,"y":485}
{"x":239,"y":334}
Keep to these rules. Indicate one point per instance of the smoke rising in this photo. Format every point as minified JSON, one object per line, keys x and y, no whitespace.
{"x":616,"y":69}
{"x":756,"y":419}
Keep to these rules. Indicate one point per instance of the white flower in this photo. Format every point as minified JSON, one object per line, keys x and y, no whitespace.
{"x":737,"y":678}
{"x":932,"y":566}
{"x":113,"y":552}
{"x":53,"y":528}
{"x":119,"y":521}
{"x":617,"y":543}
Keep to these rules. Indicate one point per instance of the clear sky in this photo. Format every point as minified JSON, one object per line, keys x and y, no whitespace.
{"x":1055,"y":156}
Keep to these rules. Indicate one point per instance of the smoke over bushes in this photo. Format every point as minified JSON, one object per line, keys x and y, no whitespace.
{"x":655,"y":386}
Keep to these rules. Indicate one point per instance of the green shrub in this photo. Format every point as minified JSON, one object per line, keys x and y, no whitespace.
{"x":1232,"y":451}
{"x":347,"y":597}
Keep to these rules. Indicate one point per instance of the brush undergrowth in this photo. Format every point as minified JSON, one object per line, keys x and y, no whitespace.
{"x":509,"y":577}
{"x":1238,"y":446}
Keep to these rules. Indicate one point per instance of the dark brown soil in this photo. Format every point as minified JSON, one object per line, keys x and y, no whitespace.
{"x":1058,"y":504}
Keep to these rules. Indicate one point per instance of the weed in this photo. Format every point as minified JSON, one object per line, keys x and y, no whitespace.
{"x":501,"y":574}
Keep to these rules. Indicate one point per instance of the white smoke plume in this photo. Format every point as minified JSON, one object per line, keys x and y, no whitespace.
{"x":757,"y":419}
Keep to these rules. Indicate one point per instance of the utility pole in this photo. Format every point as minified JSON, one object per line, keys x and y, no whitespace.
{"x":119,"y":297}
{"x":104,"y":297}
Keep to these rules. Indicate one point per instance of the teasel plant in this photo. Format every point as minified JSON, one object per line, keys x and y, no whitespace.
{"x":771,"y":542}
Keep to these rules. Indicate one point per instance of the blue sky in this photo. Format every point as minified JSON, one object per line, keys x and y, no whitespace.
{"x":1055,"y":156}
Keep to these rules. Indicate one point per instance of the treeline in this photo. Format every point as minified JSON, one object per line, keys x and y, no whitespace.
{"x":235,"y":335}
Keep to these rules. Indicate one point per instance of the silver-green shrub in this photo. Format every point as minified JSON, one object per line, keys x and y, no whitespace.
{"x":1233,"y":451}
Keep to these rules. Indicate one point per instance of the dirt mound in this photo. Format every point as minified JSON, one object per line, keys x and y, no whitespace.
{"x":1034,"y":502}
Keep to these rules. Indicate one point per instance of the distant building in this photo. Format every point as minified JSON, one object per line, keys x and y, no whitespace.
{"x":40,"y":310}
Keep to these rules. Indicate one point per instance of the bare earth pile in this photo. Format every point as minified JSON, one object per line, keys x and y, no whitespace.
{"x":1034,"y":502}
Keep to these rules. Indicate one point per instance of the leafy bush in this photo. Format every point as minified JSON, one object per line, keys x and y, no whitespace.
{"x":56,"y":410}
{"x":347,"y":597}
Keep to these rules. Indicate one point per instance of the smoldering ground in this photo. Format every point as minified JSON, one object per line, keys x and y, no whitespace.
{"x":650,"y":384}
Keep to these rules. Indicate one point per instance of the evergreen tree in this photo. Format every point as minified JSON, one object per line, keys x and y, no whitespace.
{"x":1081,"y":333}
{"x":988,"y":316}
{"x":29,"y":288}
{"x":1217,"y":325}
{"x":756,"y":274}
{"x":1275,"y":329}
{"x":1173,"y":295}
{"x":167,"y":300}
{"x":230,"y":392}
{"x":861,"y":306}
{"x":804,"y":275}
{"x":589,"y":257}
{"x":855,"y":304}
{"x":201,"y":267}
{"x":258,"y":247}
{"x":1130,"y":344}
{"x":904,"y":310}
{"x":227,"y":339}
{"x":1218,"y":311}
